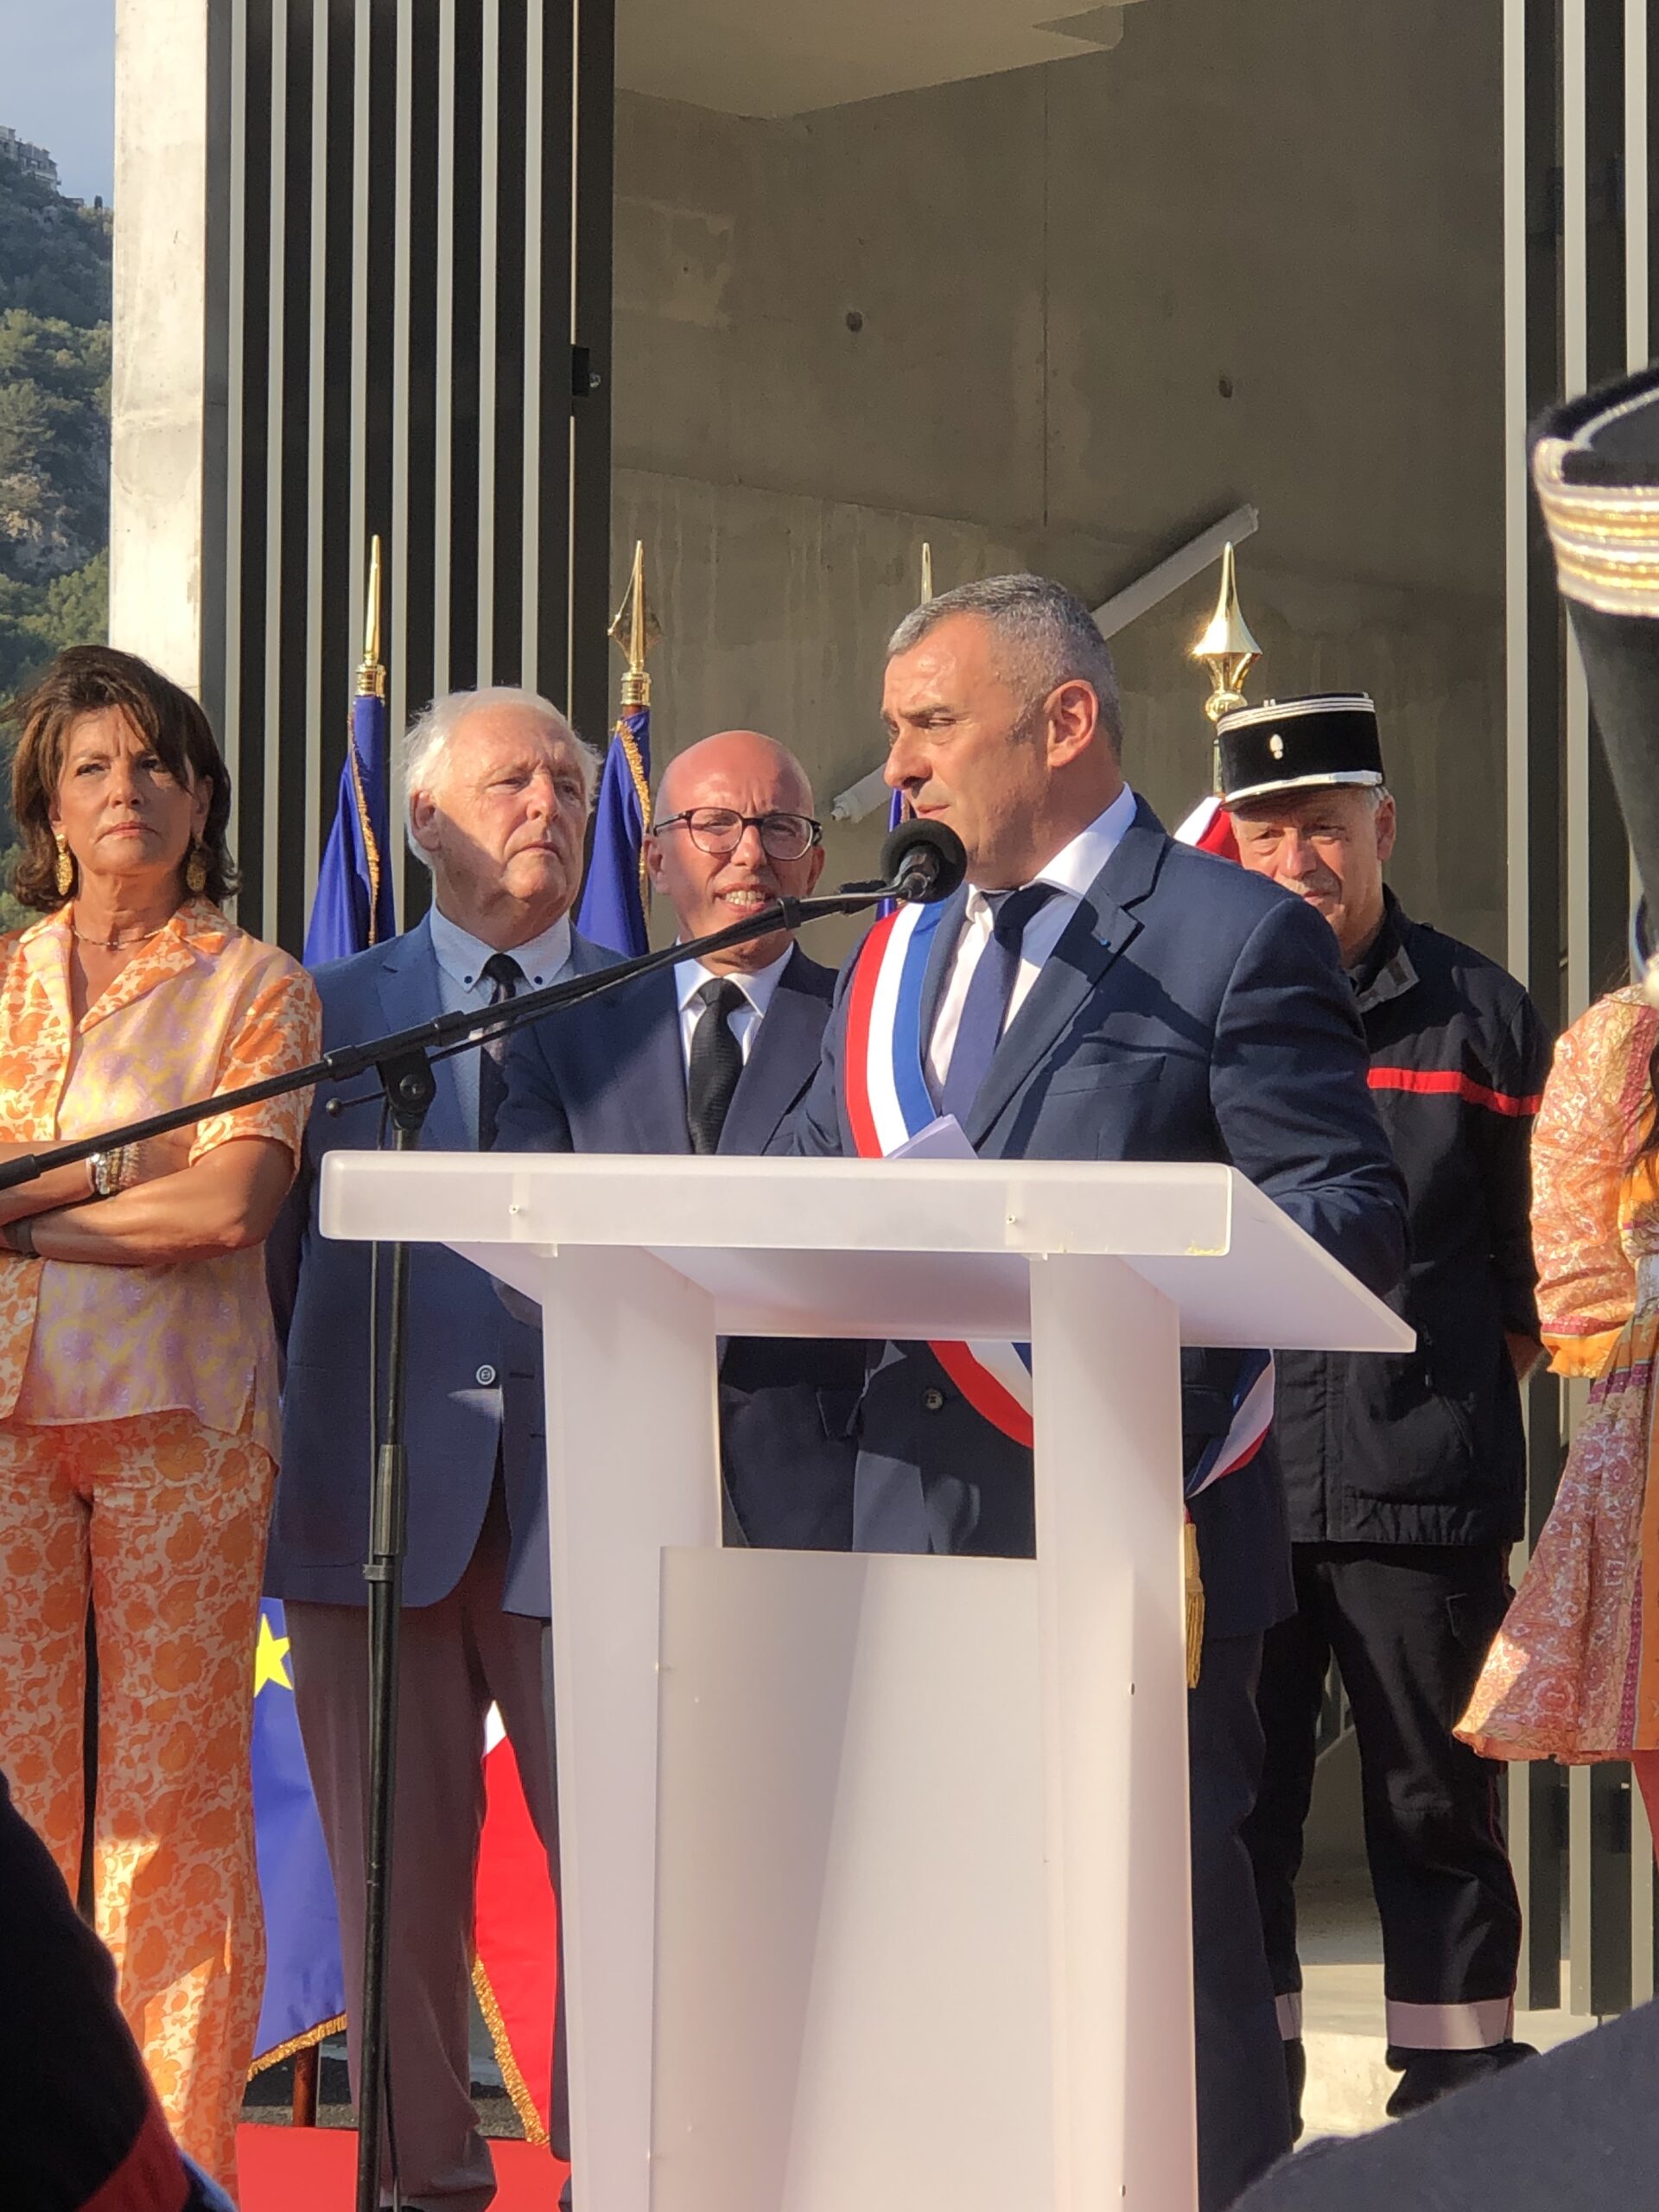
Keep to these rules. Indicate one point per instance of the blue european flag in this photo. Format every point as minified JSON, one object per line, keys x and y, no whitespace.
{"x":613,"y":910}
{"x":305,"y":1982}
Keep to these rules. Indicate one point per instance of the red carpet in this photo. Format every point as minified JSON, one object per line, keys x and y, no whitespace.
{"x":316,"y":2168}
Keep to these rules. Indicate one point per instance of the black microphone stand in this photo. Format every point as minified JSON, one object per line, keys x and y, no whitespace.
{"x":402,"y":1064}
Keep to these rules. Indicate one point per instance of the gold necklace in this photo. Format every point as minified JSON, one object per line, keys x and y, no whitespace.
{"x":115,"y":944}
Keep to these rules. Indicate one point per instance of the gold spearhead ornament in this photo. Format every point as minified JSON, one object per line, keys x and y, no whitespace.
{"x":636,"y":630}
{"x":1227,"y":648}
{"x":927,"y":572}
{"x":371,"y":676}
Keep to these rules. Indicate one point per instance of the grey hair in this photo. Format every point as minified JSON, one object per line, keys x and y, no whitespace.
{"x":427,"y":740}
{"x":1046,"y":636}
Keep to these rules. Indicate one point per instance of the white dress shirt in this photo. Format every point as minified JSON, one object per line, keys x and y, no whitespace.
{"x":462,"y":982}
{"x":1071,"y":870}
{"x":690,"y":975}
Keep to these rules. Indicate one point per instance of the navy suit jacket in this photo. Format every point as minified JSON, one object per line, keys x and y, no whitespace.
{"x":463,"y":1345}
{"x":1190,"y":1011}
{"x":610,"y":1077}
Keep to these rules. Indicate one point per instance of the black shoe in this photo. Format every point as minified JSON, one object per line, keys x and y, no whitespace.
{"x":1295,"y":2081}
{"x":1425,"y":2076}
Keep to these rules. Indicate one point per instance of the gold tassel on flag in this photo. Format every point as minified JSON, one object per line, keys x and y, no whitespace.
{"x":1194,"y":1604}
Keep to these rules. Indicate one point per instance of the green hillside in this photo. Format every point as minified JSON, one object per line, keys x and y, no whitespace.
{"x":54,"y":416}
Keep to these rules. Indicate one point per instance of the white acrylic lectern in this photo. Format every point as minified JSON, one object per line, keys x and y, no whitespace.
{"x":875,"y":1868}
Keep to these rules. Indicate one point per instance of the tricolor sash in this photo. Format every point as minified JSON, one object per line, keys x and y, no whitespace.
{"x":884,"y":1087}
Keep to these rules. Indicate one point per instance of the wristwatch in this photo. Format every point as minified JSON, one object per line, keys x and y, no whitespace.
{"x":112,"y":1171}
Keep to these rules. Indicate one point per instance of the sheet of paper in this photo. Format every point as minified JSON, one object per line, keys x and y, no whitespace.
{"x":941,"y":1139}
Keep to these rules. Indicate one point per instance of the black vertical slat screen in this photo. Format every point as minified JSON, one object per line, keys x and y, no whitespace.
{"x":506,"y":551}
{"x":589,"y":583}
{"x":245,"y":497}
{"x":313,"y":620}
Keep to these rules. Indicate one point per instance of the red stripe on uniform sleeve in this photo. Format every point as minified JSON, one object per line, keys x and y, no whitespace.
{"x":1449,"y":1082}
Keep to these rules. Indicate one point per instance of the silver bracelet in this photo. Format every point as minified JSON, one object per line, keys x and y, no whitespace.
{"x":114,"y":1171}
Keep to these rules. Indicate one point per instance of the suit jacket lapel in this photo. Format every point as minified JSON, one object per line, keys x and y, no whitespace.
{"x":644,"y":1071}
{"x":1099,"y":930}
{"x":408,"y":988}
{"x":781,"y":1063}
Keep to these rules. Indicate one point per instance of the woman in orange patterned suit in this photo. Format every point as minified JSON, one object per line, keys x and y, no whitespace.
{"x":1574,"y":1671}
{"x":138,"y":1420}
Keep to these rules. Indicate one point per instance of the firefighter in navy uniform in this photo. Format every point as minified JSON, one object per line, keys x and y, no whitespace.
{"x":1405,"y":1477}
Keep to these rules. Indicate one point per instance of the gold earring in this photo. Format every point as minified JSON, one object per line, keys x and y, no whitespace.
{"x":195,"y":872}
{"x":65,"y":871}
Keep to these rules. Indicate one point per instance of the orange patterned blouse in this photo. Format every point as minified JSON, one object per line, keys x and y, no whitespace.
{"x":201,"y":1007}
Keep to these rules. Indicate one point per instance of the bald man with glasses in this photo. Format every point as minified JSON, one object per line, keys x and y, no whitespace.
{"x":712,"y":1057}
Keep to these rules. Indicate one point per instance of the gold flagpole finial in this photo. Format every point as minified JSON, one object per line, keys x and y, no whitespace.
{"x":370,"y":675}
{"x":927,"y":572}
{"x":1227,"y":648}
{"x":635,"y":629}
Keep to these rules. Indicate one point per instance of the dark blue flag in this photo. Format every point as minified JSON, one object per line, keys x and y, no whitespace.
{"x":612,"y":911}
{"x":352,"y":907}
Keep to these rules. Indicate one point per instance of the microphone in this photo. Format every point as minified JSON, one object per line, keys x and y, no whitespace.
{"x":924,"y":861}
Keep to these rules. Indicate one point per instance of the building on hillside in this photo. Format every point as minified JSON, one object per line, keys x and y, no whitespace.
{"x":34,"y":161}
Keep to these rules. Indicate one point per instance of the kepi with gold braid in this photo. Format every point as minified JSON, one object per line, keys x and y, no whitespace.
{"x":1595,"y":466}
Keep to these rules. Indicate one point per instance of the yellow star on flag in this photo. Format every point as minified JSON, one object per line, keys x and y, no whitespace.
{"x":268,"y":1665}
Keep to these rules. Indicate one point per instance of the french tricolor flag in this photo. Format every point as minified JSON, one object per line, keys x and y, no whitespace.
{"x":1209,"y":827}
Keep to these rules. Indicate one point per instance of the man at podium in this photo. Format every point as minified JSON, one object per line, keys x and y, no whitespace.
{"x":1096,"y":991}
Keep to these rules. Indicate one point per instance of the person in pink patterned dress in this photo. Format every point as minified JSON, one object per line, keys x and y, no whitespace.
{"x":1574,"y":1673}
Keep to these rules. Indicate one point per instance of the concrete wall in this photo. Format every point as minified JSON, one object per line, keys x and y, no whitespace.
{"x":1064,"y":318}
{"x":167,"y":400}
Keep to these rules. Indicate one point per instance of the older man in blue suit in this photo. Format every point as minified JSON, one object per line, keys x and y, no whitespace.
{"x":714,"y":1059}
{"x":499,"y":790}
{"x":1096,"y":991}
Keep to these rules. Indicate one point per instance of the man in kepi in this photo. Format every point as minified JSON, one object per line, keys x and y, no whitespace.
{"x":1096,"y":991}
{"x":498,"y":788}
{"x":712,"y":1057}
{"x":1405,"y":1477}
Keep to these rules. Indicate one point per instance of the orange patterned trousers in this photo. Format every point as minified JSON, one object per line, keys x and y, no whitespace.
{"x":162,"y":1521}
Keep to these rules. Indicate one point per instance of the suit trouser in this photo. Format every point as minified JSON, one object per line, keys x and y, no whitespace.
{"x":162,"y":1521}
{"x":1409,"y":1626}
{"x":1244,"y":2106}
{"x":455,"y":1659}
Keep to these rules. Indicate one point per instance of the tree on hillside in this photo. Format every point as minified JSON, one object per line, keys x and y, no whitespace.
{"x":55,"y":445}
{"x":54,"y":256}
{"x":54,"y":437}
{"x":39,"y":621}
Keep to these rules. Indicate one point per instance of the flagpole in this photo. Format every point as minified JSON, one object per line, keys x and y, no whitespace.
{"x":370,"y":671}
{"x":1229,"y":651}
{"x":615,"y":901}
{"x":635,"y":612}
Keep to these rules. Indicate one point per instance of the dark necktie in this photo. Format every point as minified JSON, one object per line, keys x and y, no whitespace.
{"x":504,"y":976}
{"x":715,"y":1064}
{"x":991,"y":987}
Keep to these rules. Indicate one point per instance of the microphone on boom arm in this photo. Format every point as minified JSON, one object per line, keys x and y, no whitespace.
{"x":923,"y":862}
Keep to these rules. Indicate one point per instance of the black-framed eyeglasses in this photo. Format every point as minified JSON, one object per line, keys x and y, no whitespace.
{"x":719,"y":829}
